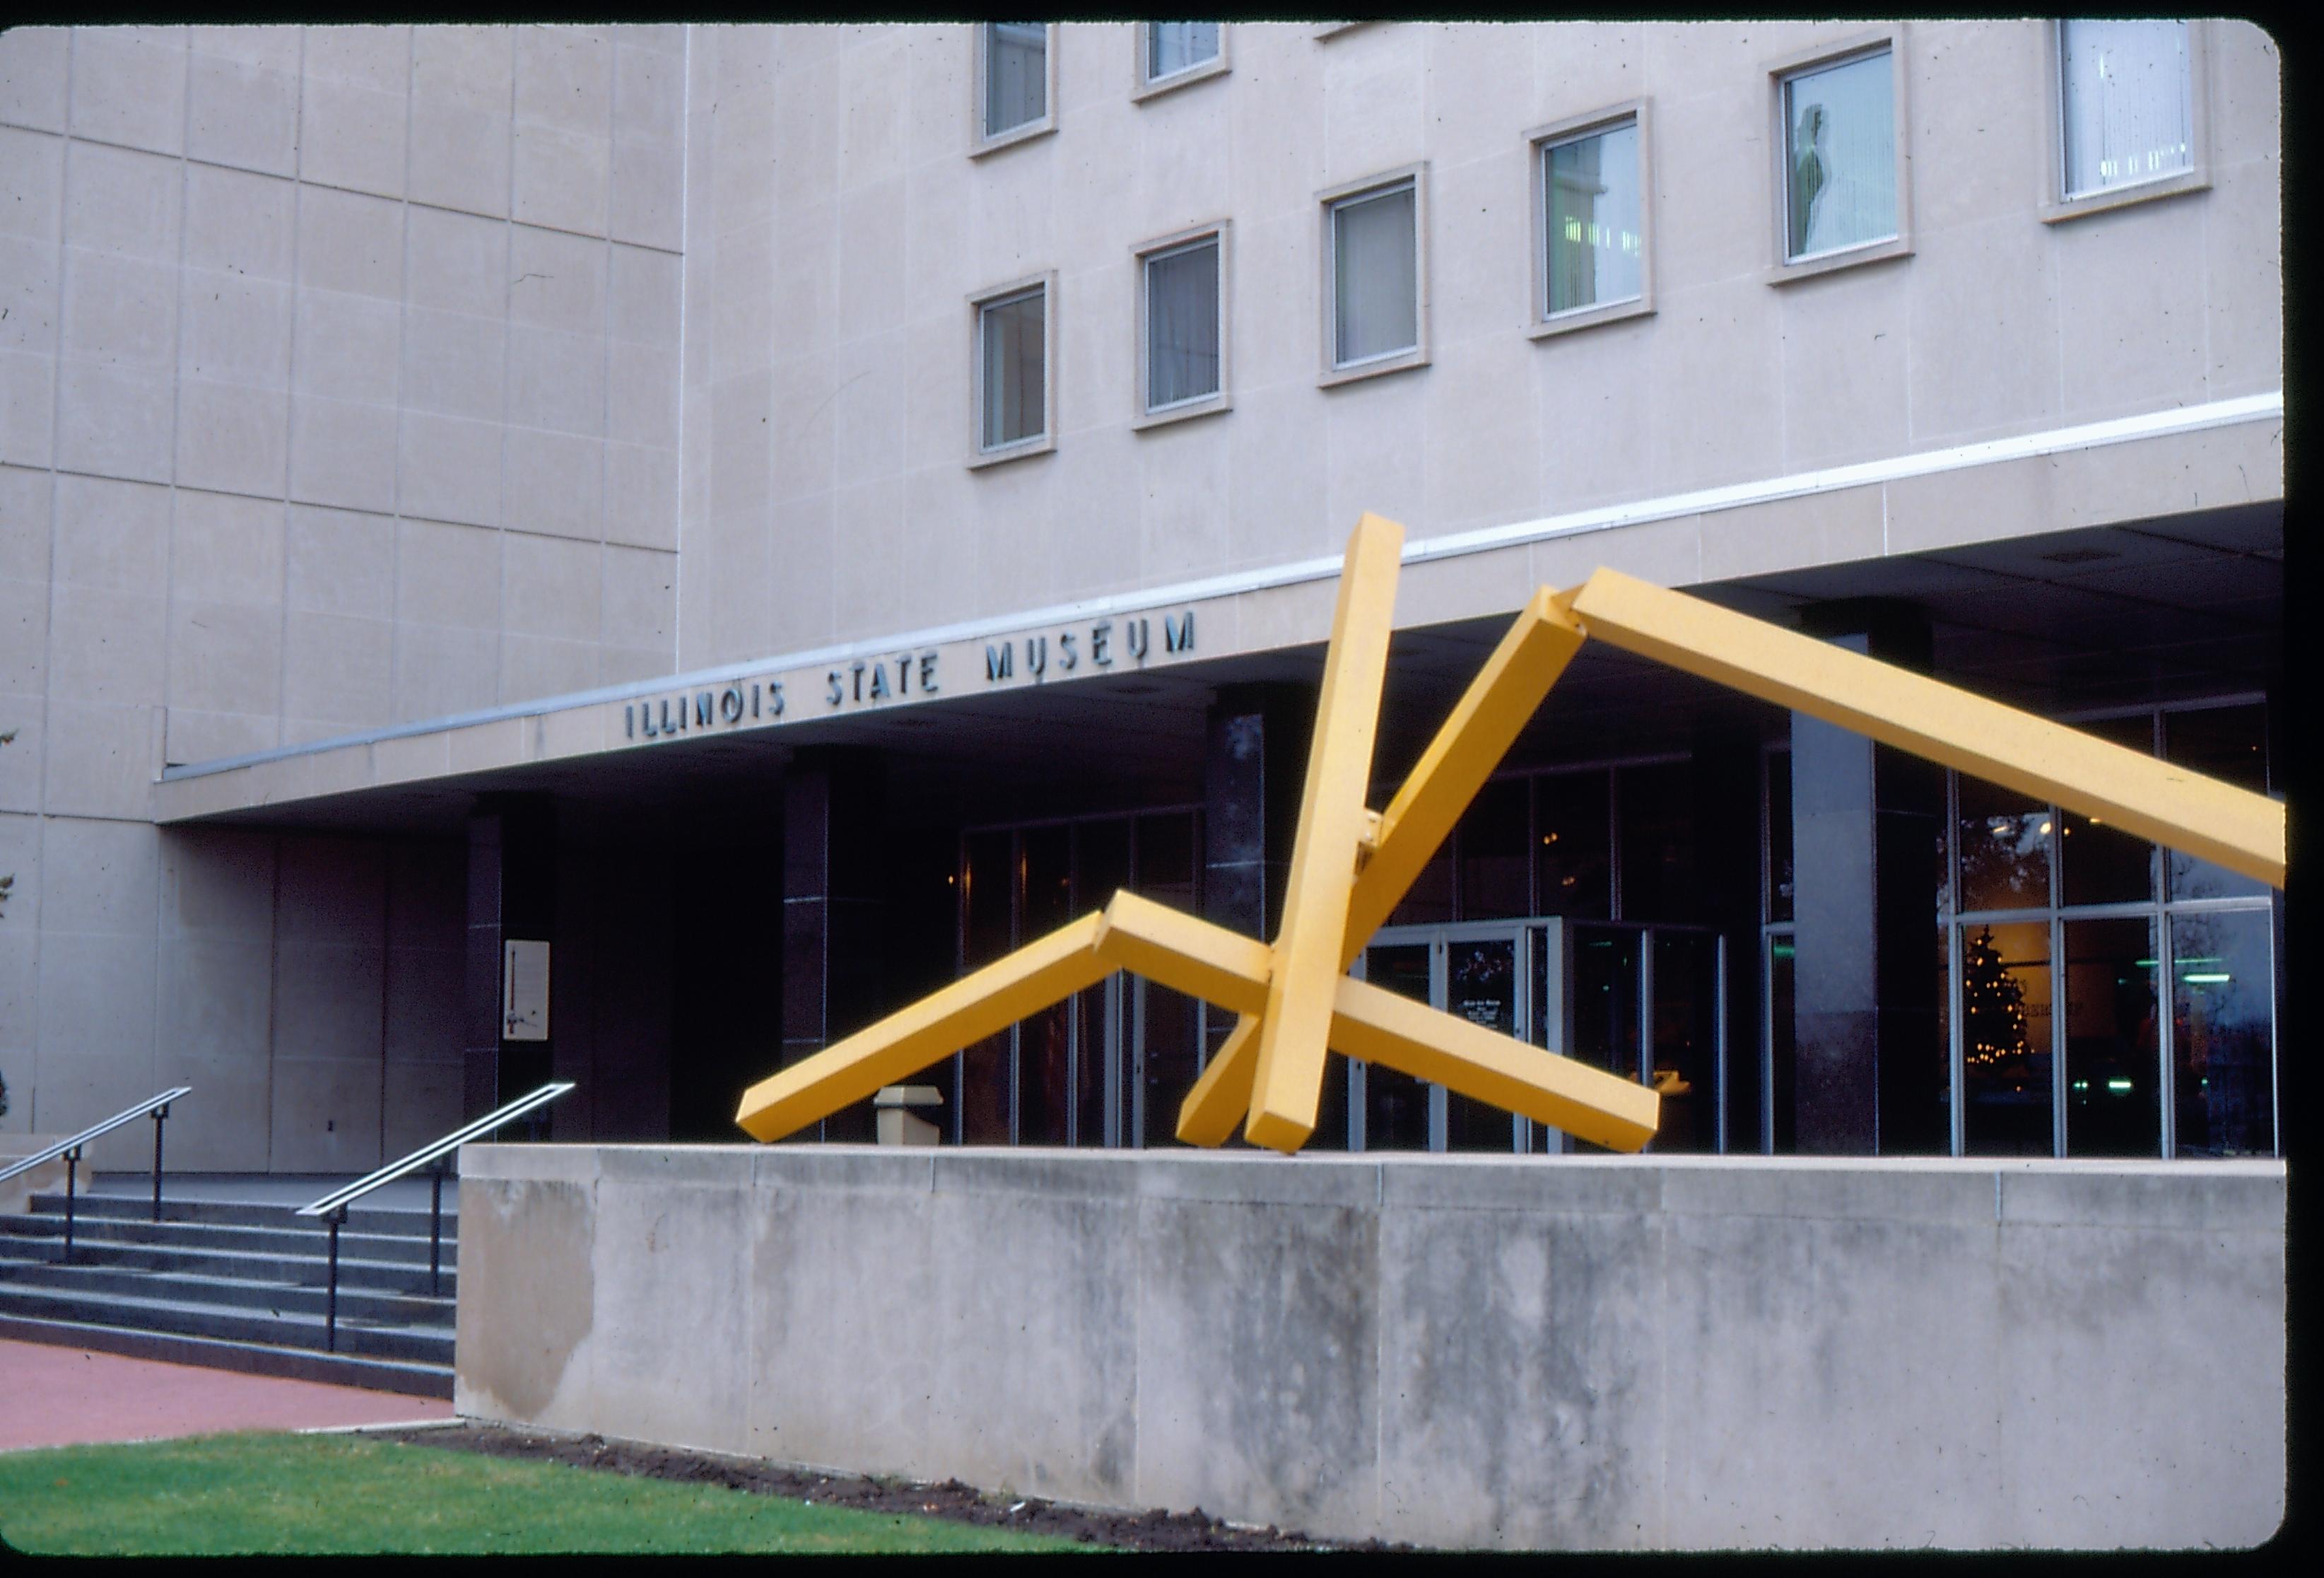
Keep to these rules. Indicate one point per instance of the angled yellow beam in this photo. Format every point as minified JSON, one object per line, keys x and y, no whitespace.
{"x":2148,"y":797}
{"x":1476,"y":735}
{"x":975,"y":1006}
{"x":1288,"y":1080}
{"x":1382,"y":1027}
{"x":1204,"y":959}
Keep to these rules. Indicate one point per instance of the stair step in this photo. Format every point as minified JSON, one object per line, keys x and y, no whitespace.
{"x":312,"y":1270}
{"x":306,"y":1238}
{"x":392,"y":1220}
{"x":289,"y":1329}
{"x":223,"y":1286}
{"x":410,"y":1378}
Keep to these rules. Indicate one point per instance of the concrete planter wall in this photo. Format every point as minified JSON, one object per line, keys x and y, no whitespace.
{"x":1600,"y":1353}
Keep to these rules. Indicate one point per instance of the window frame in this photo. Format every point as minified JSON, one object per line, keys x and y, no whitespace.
{"x":1892,"y":41}
{"x":1220,"y":231}
{"x":2054,"y":204}
{"x":1143,"y":86}
{"x":1329,"y":202}
{"x":981,"y":142}
{"x":1046,"y":441}
{"x":1543,"y":324}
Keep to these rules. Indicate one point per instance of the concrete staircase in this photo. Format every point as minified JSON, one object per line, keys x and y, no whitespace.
{"x":235,"y":1286}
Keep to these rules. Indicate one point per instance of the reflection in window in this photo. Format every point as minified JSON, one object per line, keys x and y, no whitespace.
{"x":2005,"y":1036}
{"x":1596,"y":251}
{"x":1375,"y":275}
{"x":1172,"y":47}
{"x":1016,"y":75}
{"x":1574,"y":855}
{"x":1181,"y":324}
{"x":2127,"y":102}
{"x":1839,"y":156}
{"x":2222,"y":1035}
{"x":2004,"y":847}
{"x":2227,"y":743}
{"x":1495,"y":878}
{"x":2113,"y":1039}
{"x":1686,"y":1040}
{"x":1011,"y":339}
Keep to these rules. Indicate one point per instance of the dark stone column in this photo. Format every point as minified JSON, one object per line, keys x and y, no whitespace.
{"x":1254,"y":763}
{"x":834,"y":885}
{"x":1866,"y":823}
{"x":512,"y":894}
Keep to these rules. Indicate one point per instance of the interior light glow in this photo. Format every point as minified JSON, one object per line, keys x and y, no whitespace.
{"x":2207,"y":979}
{"x":2118,"y":1084}
{"x":2082,"y":1084}
{"x":2045,"y":826}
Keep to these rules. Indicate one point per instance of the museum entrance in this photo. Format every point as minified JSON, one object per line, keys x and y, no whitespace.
{"x":1643,"y":1001}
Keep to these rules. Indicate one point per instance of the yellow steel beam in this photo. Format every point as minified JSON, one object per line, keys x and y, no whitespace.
{"x":1041,"y":972}
{"x":2145,"y":796}
{"x":1477,"y":734}
{"x":1289,"y":1079}
{"x":1206,"y":960}
{"x":1382,"y":1027}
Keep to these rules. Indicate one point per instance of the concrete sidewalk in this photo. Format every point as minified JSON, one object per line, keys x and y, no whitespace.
{"x":62,"y":1396}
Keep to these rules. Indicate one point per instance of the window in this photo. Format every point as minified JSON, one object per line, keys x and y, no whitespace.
{"x":1182,"y":325}
{"x":1015,"y":371}
{"x":1172,"y":54}
{"x":1014,"y":83}
{"x":1839,"y":157}
{"x":1591,"y":220}
{"x":2129,"y":106}
{"x":1839,"y":143}
{"x":1375,"y":281}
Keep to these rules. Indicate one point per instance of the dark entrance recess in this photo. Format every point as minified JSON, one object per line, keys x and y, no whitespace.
{"x":512,"y":894}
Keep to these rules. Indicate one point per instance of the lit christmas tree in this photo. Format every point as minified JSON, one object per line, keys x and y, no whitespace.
{"x":1993,"y":1005}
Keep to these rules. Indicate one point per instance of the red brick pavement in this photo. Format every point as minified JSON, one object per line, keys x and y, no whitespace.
{"x":60,"y":1397}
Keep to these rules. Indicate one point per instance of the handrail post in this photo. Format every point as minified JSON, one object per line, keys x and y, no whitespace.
{"x":72,"y":1187}
{"x":331,"y":1296}
{"x":436,"y":1232}
{"x":161,"y":1114}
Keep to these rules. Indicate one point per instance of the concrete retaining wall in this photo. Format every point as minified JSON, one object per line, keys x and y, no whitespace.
{"x":1594,"y":1353}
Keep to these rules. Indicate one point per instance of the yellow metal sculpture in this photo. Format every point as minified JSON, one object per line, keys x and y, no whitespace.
{"x":1351,"y":866}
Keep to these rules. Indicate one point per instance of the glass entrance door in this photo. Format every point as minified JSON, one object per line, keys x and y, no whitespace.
{"x":1476,"y":971}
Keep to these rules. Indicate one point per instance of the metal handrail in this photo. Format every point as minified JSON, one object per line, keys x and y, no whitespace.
{"x":86,"y":1135}
{"x":333,"y":1207}
{"x":71,"y":1149}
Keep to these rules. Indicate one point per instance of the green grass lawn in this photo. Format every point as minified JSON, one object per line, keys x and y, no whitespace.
{"x":218,"y":1495}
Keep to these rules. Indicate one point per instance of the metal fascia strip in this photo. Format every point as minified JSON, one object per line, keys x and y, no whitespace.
{"x":2173,"y":421}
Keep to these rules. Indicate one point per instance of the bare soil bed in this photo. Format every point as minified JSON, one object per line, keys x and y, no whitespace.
{"x":1158,"y":1530}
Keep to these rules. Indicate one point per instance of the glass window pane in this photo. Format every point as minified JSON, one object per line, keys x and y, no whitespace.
{"x":1011,"y":332}
{"x":1182,"y":325}
{"x":2100,"y":865}
{"x":2222,"y":1030}
{"x":2227,"y":743}
{"x":1172,"y":47}
{"x":1574,"y":852}
{"x":1016,"y":75}
{"x":1100,"y":867}
{"x":982,"y":1098}
{"x":2004,"y":845}
{"x":2126,"y":99}
{"x":1840,"y":153}
{"x":1375,"y":276}
{"x":2113,"y":1074}
{"x":1170,"y":1061}
{"x":1429,"y":900}
{"x":1480,"y":985}
{"x":1685,"y":1028}
{"x":1590,"y":196}
{"x":2005,"y":1040}
{"x":1396,"y":1105}
{"x":1779,"y":835}
{"x":1657,"y":820}
{"x":1043,"y":1065}
{"x":1496,"y":877}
